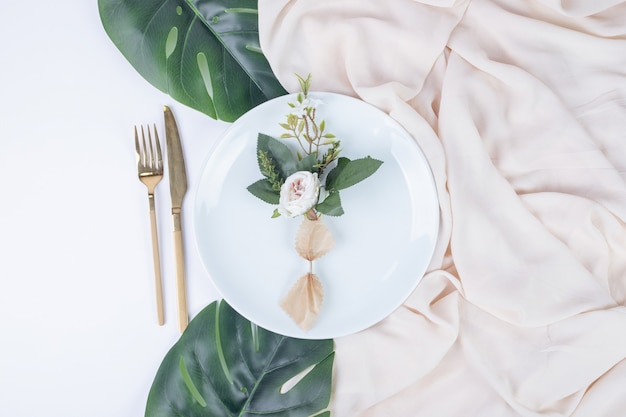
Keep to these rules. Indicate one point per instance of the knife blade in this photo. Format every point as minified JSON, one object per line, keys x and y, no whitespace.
{"x":178,"y":188}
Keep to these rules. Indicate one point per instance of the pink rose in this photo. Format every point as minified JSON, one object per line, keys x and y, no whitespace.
{"x":299,"y":193}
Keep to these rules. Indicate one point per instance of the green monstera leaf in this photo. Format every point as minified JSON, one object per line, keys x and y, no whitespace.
{"x":223,"y":365}
{"x":203,"y":53}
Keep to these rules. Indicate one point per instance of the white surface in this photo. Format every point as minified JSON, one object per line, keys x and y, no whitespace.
{"x":377,"y":260}
{"x":78,"y":330}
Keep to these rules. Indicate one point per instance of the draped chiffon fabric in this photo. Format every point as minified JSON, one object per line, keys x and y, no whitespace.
{"x":520,"y":109}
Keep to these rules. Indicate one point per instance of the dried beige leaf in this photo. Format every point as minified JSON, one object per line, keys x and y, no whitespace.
{"x":304,"y":300}
{"x":313,"y":239}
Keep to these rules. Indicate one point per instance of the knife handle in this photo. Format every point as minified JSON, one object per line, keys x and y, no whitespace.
{"x":183,"y":318}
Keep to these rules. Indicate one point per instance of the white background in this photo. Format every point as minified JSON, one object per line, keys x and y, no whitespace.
{"x":78,"y":331}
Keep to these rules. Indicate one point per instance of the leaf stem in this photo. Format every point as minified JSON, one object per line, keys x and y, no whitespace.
{"x":308,"y":133}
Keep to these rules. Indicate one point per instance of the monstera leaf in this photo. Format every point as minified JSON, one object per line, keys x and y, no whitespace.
{"x":203,"y":53}
{"x":223,"y":365}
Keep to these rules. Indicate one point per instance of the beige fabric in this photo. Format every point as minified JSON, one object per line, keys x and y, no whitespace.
{"x":520,"y":108}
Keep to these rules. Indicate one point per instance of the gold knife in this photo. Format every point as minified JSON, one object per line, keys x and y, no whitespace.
{"x":178,"y":188}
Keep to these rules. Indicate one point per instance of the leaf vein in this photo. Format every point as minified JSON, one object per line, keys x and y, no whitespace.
{"x":263,"y":374}
{"x":205,"y":375}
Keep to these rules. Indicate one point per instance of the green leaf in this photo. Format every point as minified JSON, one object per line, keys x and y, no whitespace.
{"x":352,"y":172}
{"x":203,"y":53}
{"x":331,"y":178}
{"x":331,"y":205}
{"x":189,"y":381}
{"x":263,"y":189}
{"x":307,"y":163}
{"x":281,"y":155}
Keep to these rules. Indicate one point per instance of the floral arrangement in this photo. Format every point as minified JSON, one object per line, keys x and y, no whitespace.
{"x":307,"y":183}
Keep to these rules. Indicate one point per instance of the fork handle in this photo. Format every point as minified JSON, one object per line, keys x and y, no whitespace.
{"x":183,"y":317}
{"x":157,"y":262}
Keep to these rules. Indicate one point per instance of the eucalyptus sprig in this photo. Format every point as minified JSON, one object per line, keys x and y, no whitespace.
{"x":301,"y":124}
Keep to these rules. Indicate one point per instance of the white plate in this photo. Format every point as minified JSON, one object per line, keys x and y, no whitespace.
{"x":383,"y":242}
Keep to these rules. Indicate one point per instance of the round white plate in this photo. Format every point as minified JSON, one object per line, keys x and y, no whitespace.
{"x":383,"y":242}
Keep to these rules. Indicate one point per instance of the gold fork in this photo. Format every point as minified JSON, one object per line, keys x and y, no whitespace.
{"x":150,"y":167}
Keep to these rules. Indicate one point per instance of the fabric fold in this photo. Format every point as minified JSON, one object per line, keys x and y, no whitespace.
{"x":520,"y":109}
{"x":345,"y":40}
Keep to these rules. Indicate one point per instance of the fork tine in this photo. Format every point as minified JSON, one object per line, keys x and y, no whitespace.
{"x":159,"y":156}
{"x":137,"y":150}
{"x":147,"y":155}
{"x":152,"y":153}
